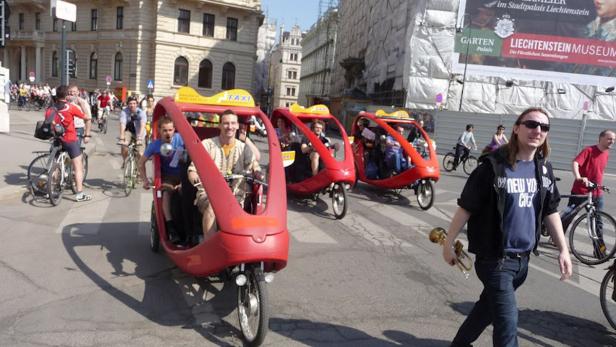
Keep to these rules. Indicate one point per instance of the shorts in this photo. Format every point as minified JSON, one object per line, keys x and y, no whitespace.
{"x":129,"y":137}
{"x":172,"y":180}
{"x":72,"y":148}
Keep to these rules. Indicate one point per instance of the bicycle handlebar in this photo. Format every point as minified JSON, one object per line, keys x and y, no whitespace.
{"x":249,"y":177}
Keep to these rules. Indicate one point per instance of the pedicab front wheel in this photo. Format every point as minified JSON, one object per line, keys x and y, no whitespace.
{"x":252,"y":307}
{"x":339,"y":200}
{"x":425,"y":194}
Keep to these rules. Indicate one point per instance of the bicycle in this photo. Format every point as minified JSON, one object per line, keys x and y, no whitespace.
{"x":607,"y":295}
{"x":129,"y":178}
{"x":468,"y":162}
{"x":50,"y":172}
{"x":592,"y":232}
{"x":102,"y":121}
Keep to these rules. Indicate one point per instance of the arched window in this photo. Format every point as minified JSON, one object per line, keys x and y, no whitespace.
{"x":205,"y":74}
{"x":180,"y":72}
{"x":228,"y":76}
{"x":117,"y":67}
{"x":93,"y":66}
{"x":54,"y":64}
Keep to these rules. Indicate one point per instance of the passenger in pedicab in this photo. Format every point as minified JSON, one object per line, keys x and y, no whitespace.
{"x":170,"y":169}
{"x":283,"y":133}
{"x":396,"y":160}
{"x":317,"y":128}
{"x":242,"y":135}
{"x":231,"y":156}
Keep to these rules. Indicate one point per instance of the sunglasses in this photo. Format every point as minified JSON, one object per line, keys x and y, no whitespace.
{"x":533,"y":124}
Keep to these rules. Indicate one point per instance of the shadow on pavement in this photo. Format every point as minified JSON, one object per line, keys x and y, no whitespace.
{"x":566,"y":329}
{"x":386,"y":196}
{"x":170,"y":297}
{"x":319,"y":207}
{"x":313,"y":333}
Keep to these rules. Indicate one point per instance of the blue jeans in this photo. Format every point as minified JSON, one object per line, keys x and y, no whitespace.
{"x":497,"y":304}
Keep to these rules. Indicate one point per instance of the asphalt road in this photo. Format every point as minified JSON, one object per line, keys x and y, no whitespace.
{"x":82,"y":274}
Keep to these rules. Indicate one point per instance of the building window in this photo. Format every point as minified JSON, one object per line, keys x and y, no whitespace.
{"x":205,"y":74}
{"x":208,"y":24}
{"x":228,"y":76}
{"x":292,"y":75}
{"x":54,"y":25}
{"x":54,"y":64}
{"x":93,"y":66}
{"x":74,"y":26}
{"x":117,"y":67}
{"x":37,"y":21}
{"x":293,"y":57}
{"x":290,"y":91}
{"x":180,"y":72}
{"x":184,"y":21}
{"x":120,"y":17}
{"x":21,"y":21}
{"x":232,"y":29}
{"x":72,"y":62}
{"x":94,"y":19}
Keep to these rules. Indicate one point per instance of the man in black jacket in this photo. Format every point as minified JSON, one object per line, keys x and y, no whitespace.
{"x":504,"y":202}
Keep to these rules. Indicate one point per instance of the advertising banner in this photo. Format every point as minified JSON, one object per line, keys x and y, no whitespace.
{"x":572,"y":41}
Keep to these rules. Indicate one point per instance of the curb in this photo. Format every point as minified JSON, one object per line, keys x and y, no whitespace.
{"x":11,"y":191}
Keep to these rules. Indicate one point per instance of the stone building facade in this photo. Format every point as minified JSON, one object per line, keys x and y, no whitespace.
{"x":208,"y":45}
{"x":286,"y":68}
{"x":318,"y":52}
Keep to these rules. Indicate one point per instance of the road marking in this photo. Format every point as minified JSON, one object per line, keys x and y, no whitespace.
{"x":145,"y":209}
{"x":372,"y":232}
{"x":304,"y":231}
{"x":85,"y":218}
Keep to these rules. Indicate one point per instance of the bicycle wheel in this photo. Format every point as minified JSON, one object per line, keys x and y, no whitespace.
{"x":128,"y":180}
{"x":37,"y":174}
{"x":469,"y":164}
{"x":55,"y":183}
{"x":425,"y":194}
{"x":252,"y":307}
{"x":607,"y":296}
{"x":586,"y":249}
{"x":448,"y":160}
{"x":339,"y":200}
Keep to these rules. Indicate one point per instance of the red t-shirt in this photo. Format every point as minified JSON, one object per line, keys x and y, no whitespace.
{"x":65,"y":117}
{"x":592,"y":163}
{"x":104,"y":100}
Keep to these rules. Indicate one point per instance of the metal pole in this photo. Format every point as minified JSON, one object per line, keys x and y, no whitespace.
{"x":468,"y":36}
{"x":63,"y":60}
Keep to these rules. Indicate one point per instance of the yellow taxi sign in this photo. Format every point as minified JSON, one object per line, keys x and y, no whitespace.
{"x":233,"y":97}
{"x":288,"y":157}
{"x":316,"y":109}
{"x":395,"y":114}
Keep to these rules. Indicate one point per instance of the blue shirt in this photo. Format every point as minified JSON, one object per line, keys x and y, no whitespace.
{"x":169,"y":164}
{"x":521,"y":198}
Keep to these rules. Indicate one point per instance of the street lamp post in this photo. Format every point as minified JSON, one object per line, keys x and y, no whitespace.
{"x":468,"y":37}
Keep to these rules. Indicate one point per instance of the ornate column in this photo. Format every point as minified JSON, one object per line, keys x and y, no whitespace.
{"x":22,"y":71}
{"x":37,"y":66}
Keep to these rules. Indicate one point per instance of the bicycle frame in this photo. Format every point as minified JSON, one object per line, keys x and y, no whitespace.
{"x":590,"y":207}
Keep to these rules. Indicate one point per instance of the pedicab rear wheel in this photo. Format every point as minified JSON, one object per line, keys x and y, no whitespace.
{"x":339,"y":200}
{"x":154,"y":236}
{"x":252,"y":307}
{"x":425,"y":194}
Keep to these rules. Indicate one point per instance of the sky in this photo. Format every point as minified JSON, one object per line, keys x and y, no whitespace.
{"x":290,"y":12}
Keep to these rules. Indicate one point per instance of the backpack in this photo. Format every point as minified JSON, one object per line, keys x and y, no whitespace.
{"x":45,"y":129}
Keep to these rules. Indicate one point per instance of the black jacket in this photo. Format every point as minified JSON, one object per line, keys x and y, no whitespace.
{"x":484,"y":198}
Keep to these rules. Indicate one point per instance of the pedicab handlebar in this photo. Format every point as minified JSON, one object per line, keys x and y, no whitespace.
{"x":256,"y":177}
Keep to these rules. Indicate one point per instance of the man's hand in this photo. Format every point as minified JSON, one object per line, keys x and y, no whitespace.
{"x":139,"y":142}
{"x":146,"y":183}
{"x":449,"y":255}
{"x":566,"y":269}
{"x":585,"y":180}
{"x":86,"y":138}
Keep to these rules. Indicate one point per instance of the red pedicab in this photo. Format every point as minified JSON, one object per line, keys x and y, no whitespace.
{"x":423,"y":167}
{"x":249,"y":245}
{"x":336,"y":170}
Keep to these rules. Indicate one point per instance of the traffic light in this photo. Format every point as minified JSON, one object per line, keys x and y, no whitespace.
{"x":71,"y":67}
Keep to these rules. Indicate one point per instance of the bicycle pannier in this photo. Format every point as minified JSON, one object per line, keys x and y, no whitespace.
{"x":44,"y":129}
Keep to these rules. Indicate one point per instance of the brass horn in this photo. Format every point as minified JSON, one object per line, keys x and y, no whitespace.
{"x":463,"y":261}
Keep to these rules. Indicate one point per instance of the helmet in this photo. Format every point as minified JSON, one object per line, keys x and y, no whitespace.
{"x":131,"y":98}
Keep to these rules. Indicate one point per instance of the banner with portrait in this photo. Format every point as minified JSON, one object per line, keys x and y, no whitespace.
{"x":572,"y":41}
